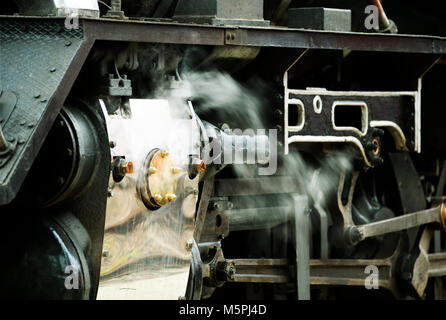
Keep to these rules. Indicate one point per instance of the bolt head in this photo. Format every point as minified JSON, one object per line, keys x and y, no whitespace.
{"x":127,"y":167}
{"x":152,"y":170}
{"x":200,"y":166}
{"x":217,"y":206}
{"x":164,"y":153}
{"x":158,"y":198}
{"x":189,"y":245}
{"x":170,"y":197}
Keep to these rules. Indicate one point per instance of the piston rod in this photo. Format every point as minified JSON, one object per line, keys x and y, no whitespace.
{"x":404,"y":222}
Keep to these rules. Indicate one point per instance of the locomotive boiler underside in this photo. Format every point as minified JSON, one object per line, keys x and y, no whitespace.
{"x":203,"y":149}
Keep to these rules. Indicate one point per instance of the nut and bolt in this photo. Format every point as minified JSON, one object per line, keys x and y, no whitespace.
{"x":152,"y":170}
{"x":200,"y":166}
{"x":231,"y":272}
{"x":189,"y":245}
{"x":356,"y":235}
{"x":127,"y":167}
{"x":170,"y":197}
{"x":217,"y":205}
{"x":158,"y":198}
{"x":164,"y":153}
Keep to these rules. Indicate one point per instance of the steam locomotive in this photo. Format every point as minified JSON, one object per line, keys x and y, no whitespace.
{"x":199,"y":149}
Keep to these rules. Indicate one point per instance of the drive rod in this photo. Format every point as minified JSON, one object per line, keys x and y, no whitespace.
{"x":404,"y":222}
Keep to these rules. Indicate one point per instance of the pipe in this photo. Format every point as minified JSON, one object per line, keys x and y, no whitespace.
{"x":384,"y":21}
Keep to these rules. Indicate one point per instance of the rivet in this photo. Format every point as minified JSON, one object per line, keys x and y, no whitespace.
{"x":158,"y":198}
{"x":170,"y":197}
{"x":127,"y":166}
{"x":152,"y":170}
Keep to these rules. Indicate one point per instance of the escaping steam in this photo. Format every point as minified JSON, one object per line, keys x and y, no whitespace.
{"x":220,"y":97}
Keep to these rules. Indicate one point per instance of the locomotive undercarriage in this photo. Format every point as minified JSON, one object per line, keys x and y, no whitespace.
{"x":355,"y":167}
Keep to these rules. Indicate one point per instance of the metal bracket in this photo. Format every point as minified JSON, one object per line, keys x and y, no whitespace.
{"x":317,"y":115}
{"x":302,"y":225}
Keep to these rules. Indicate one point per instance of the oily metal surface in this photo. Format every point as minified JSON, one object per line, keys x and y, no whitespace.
{"x":147,"y":251}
